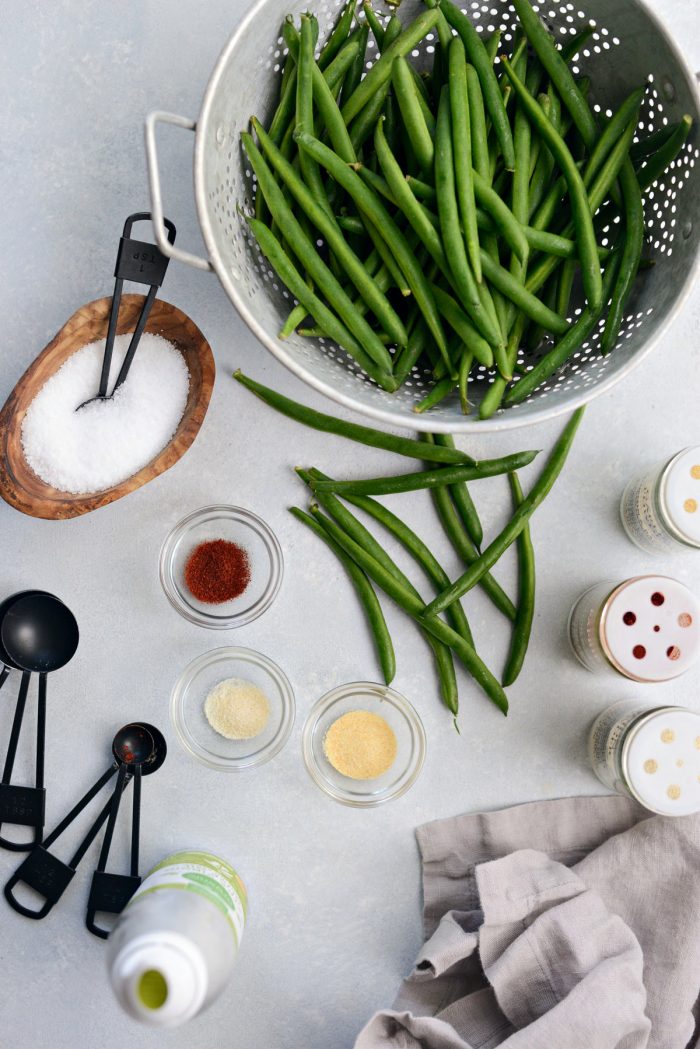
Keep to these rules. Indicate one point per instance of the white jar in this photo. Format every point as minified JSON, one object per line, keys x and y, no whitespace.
{"x":646,"y":628}
{"x":651,"y":754}
{"x":173,"y":948}
{"x":660,"y":510}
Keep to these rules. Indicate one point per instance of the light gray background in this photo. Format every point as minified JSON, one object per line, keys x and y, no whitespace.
{"x":335,"y":893}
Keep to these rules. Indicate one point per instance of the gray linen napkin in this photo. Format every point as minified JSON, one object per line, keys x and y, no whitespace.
{"x":567,"y":924}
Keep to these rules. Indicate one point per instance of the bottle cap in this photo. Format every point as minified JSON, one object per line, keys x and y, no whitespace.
{"x":650,"y":628}
{"x":680,"y":495}
{"x":160,"y":981}
{"x":661,"y":762}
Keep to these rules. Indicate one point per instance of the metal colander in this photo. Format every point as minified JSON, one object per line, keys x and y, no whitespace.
{"x":629,"y":46}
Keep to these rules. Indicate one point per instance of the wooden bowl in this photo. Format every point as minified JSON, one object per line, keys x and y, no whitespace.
{"x":19,"y":485}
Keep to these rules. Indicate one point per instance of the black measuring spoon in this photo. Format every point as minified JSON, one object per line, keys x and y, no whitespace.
{"x":140,"y":749}
{"x":49,"y":876}
{"x":38,"y":634}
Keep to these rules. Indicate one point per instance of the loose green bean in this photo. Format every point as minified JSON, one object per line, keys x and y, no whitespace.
{"x":480,"y":60}
{"x":415,"y":608}
{"x":342,"y":428}
{"x":365,"y":593}
{"x":510,"y":533}
{"x":353,"y":266}
{"x":522,"y":626}
{"x":413,"y":482}
{"x":380,"y":72}
{"x":585,"y":234}
{"x":461,"y":497}
{"x":462,"y":150}
{"x":371,"y":206}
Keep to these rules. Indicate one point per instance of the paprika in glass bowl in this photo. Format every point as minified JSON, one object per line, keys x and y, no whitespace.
{"x":221,"y":567}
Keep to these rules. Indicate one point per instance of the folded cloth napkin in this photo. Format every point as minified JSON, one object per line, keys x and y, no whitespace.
{"x":567,"y":924}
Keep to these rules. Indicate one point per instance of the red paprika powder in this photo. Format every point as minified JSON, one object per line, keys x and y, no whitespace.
{"x":217,"y":571}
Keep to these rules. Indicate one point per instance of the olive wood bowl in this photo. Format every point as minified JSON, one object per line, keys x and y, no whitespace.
{"x":19,"y":485}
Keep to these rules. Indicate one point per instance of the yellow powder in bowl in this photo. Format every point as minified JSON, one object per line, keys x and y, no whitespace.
{"x":237,"y":709}
{"x":360,"y":745}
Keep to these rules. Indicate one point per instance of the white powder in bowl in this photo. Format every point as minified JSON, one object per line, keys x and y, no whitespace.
{"x":106,"y":442}
{"x":237,"y":709}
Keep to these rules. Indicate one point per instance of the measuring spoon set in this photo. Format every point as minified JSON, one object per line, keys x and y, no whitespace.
{"x":39,"y":635}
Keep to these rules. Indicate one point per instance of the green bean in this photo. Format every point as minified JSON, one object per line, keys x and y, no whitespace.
{"x":342,"y":428}
{"x":285,"y":109}
{"x":338,"y":36}
{"x":491,"y":45}
{"x":522,"y":627}
{"x":570,"y":48}
{"x":357,"y":68}
{"x":438,"y":393}
{"x":305,"y":112}
{"x":370,"y":205}
{"x":448,"y":214}
{"x":559,"y":72}
{"x":293,"y":321}
{"x":426,"y":478}
{"x":351,"y":224}
{"x":293,"y":280}
{"x":628,"y":112}
{"x":477,"y":123}
{"x":420,"y":189}
{"x":353,"y":266}
{"x":465,"y":366}
{"x":378,"y":184}
{"x":415,"y":608}
{"x":381,"y":70}
{"x":465,"y":549}
{"x":585,"y":234}
{"x":407,"y":96}
{"x":330,"y":114}
{"x":365,"y":593}
{"x":630,"y":257}
{"x":645,"y":147}
{"x":510,"y":533}
{"x":462,"y":150}
{"x":657,"y":164}
{"x":306,"y":252}
{"x":461,"y":497}
{"x":577,"y":334}
{"x":503,"y":218}
{"x":596,"y":195}
{"x":459,"y":321}
{"x":409,"y":356}
{"x":518,"y":294}
{"x":491,"y":400}
{"x":480,"y":60}
{"x":374,"y":24}
{"x":421,"y":554}
{"x":349,"y":526}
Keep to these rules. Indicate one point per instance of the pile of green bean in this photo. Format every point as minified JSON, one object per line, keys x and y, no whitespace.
{"x":441,"y":218}
{"x":370,"y":566}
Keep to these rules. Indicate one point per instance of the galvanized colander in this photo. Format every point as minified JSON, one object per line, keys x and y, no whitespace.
{"x":629,"y":47}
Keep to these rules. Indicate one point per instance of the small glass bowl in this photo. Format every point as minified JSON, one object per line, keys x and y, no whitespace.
{"x":237,"y":526}
{"x":194,"y":731}
{"x":402,"y":718}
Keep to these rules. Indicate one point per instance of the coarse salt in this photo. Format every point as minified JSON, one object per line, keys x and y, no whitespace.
{"x":106,"y":442}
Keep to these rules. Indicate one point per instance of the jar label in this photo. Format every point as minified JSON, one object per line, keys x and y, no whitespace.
{"x":605,"y":742}
{"x":640,"y":518}
{"x":207,"y":876}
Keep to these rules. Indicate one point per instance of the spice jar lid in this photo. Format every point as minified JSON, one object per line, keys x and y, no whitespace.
{"x":650,"y":628}
{"x":680,"y":494}
{"x":661,"y":762}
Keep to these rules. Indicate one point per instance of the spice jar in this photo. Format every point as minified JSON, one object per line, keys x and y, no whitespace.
{"x":646,"y":628}
{"x":651,"y":754}
{"x":660,"y":510}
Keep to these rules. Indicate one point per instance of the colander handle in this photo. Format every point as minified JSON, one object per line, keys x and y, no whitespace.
{"x":161,"y":232}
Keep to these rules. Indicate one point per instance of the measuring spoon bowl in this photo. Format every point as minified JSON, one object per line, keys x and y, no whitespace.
{"x":39,"y":633}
